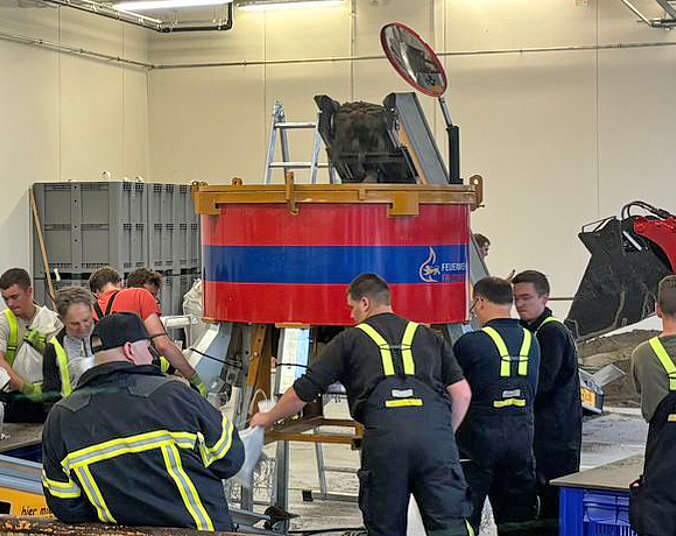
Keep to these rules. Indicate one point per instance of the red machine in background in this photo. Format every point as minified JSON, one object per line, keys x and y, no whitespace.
{"x":629,"y":257}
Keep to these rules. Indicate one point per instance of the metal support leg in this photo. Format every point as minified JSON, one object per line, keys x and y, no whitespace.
{"x":282,"y":482}
{"x":321,"y":472}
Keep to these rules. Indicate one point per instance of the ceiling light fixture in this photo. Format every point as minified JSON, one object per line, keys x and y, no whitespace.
{"x":277,"y":5}
{"x":147,"y":5}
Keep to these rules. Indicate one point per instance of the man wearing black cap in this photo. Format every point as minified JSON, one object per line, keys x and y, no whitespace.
{"x":133,"y":447}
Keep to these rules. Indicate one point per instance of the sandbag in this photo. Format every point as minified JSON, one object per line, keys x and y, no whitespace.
{"x":193,"y":304}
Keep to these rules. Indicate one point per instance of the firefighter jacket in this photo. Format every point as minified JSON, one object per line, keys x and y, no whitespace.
{"x":133,"y":447}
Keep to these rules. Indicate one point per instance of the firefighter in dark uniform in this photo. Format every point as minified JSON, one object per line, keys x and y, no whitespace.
{"x":500,"y":362}
{"x":404,"y":385}
{"x":653,"y":363}
{"x":558,"y":408}
{"x":133,"y":447}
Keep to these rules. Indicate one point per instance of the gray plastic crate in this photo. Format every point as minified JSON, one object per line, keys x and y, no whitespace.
{"x":188,"y":246}
{"x":87,"y":225}
{"x":163,"y":245}
{"x":41,"y":294}
{"x":171,"y":295}
{"x":125,"y":225}
{"x":174,"y":228}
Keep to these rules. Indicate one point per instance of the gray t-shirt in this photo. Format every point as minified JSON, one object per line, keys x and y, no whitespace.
{"x":650,"y":378}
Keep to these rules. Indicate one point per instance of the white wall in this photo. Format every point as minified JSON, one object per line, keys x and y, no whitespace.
{"x":561,"y":138}
{"x":65,"y":116}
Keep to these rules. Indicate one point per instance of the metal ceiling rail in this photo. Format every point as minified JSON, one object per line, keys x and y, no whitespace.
{"x":109,"y":58}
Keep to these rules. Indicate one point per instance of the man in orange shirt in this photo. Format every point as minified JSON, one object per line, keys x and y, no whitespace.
{"x":106,"y":284}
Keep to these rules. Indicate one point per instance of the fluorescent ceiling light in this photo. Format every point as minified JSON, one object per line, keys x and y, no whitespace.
{"x":145,"y":5}
{"x":263,"y":6}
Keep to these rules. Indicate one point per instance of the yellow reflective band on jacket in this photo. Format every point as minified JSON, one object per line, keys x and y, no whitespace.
{"x":406,"y":353}
{"x":548,"y":320}
{"x":385,"y":353}
{"x":127,"y":445}
{"x":13,"y":342}
{"x":525,"y":350}
{"x":519,"y":402}
{"x":62,"y":490}
{"x":220,"y":448}
{"x":470,"y":530}
{"x":64,"y":372}
{"x":164,"y":364}
{"x":168,"y":442}
{"x":404,"y":403}
{"x":667,"y":363}
{"x":186,"y":488}
{"x":505,"y":359}
{"x":94,"y":494}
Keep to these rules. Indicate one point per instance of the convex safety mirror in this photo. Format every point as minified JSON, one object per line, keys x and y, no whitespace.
{"x":413,"y":59}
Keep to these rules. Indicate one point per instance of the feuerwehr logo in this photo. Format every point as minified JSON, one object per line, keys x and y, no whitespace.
{"x":429,"y":270}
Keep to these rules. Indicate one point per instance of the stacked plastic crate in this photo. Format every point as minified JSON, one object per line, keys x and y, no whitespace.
{"x":125,"y":225}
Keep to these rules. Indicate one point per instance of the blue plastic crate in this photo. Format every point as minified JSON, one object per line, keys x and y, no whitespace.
{"x":587,"y":512}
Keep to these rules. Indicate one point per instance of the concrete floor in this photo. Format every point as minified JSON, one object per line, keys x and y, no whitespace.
{"x":615,"y":435}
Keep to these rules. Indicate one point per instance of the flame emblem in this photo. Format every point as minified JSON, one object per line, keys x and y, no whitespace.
{"x":428,"y":269}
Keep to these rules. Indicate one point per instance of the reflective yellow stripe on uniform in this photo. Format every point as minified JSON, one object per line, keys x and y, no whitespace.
{"x":62,"y":490}
{"x":220,"y":448}
{"x":505,"y":359}
{"x":470,"y":530}
{"x":164,"y":364}
{"x":404,"y":403}
{"x":385,"y":353}
{"x":548,"y":320}
{"x":186,"y":488}
{"x":62,"y":361}
{"x":667,"y":363}
{"x":13,"y":342}
{"x":406,"y":353}
{"x":169,"y":443}
{"x":523,"y":354}
{"x":519,"y":402}
{"x":94,"y":494}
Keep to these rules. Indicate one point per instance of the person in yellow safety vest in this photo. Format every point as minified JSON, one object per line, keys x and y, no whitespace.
{"x":652,"y":503}
{"x":69,"y":353}
{"x":19,"y":324}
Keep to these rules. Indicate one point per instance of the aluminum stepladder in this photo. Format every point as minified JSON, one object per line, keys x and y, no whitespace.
{"x":279,"y":127}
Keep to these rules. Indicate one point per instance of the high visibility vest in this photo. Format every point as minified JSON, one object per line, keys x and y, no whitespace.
{"x":667,"y":363}
{"x":13,"y":342}
{"x":64,"y":372}
{"x":506,"y":361}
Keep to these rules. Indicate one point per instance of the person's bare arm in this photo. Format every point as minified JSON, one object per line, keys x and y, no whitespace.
{"x":15,"y":381}
{"x":166,"y":347}
{"x":461,"y":396}
{"x":289,"y":405}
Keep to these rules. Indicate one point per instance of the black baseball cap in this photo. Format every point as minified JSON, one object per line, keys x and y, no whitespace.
{"x":113,"y":331}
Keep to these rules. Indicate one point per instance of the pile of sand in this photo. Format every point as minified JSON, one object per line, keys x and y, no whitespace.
{"x":615,"y":350}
